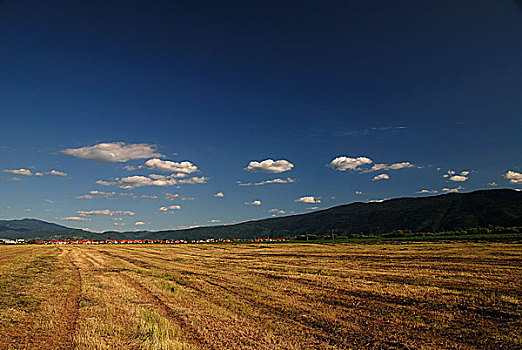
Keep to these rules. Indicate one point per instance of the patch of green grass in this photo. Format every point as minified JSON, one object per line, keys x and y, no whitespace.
{"x":156,"y":332}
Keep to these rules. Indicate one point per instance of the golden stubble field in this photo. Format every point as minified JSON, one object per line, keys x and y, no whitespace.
{"x":262,"y":296}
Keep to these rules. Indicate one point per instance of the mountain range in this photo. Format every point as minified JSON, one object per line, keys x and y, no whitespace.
{"x":447,"y":212}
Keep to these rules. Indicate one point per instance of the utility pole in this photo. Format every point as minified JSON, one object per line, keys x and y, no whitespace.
{"x":333,"y":238}
{"x":307,"y":236}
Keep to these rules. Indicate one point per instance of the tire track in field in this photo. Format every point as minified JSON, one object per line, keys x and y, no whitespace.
{"x":71,"y":309}
{"x":32,"y":333}
{"x":157,"y":303}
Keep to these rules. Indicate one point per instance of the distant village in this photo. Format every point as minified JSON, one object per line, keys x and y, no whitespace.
{"x":137,"y":241}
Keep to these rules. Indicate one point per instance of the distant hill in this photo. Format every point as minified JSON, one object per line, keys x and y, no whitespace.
{"x":502,"y":207}
{"x":37,"y":229}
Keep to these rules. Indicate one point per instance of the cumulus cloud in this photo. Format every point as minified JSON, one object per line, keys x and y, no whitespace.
{"x":492,"y":184}
{"x":381,"y":177}
{"x":255,"y":202}
{"x":140,"y":223}
{"x":394,"y":166}
{"x":25,"y":172}
{"x":308,"y":199}
{"x":194,"y":180}
{"x":56,"y":172}
{"x":114,"y":152}
{"x":452,"y":175}
{"x":269,"y":166}
{"x":214,"y":221}
{"x":288,"y":180}
{"x":74,"y":218}
{"x":277,"y":211}
{"x":85,"y":196}
{"x":168,"y":166}
{"x":219,"y":195}
{"x":176,"y":196}
{"x":104,"y":183}
{"x":344,"y":163}
{"x":358,"y":192}
{"x":134,"y":181}
{"x":452,"y":190}
{"x":170,"y":208}
{"x":27,"y":210}
{"x":513,"y":177}
{"x":312,"y":208}
{"x":458,"y":178}
{"x":108,"y":212}
{"x":427,"y":191}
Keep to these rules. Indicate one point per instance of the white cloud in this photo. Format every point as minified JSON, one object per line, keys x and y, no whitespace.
{"x":25,"y":172}
{"x":74,"y":218}
{"x":129,"y":167}
{"x":27,"y":210}
{"x":140,"y":223}
{"x":427,"y":191}
{"x":219,"y":195}
{"x":104,"y":183}
{"x":381,"y":177}
{"x":214,"y":221}
{"x":139,"y":181}
{"x":269,"y":166}
{"x":255,"y":202}
{"x":394,"y":166}
{"x":171,"y":167}
{"x":376,"y":201}
{"x":492,"y":184}
{"x":458,"y":178}
{"x":513,"y":177}
{"x":452,"y":190}
{"x":308,"y":199}
{"x":312,"y":208}
{"x":38,"y":174}
{"x":277,"y":211}
{"x":114,"y":152}
{"x":56,"y":172}
{"x":171,"y":196}
{"x":194,"y":180}
{"x":464,"y":173}
{"x":170,"y":208}
{"x":358,"y":192}
{"x":131,"y":182}
{"x":344,"y":163}
{"x":108,"y":212}
{"x":149,"y":196}
{"x":288,"y":180}
{"x":85,"y":196}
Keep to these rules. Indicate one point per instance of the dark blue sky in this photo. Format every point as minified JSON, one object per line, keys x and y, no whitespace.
{"x":426,"y":84}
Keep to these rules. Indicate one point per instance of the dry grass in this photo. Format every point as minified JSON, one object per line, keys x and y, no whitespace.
{"x":288,"y":296}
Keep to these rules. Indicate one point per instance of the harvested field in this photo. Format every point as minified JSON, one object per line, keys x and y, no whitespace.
{"x":266,"y":296}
